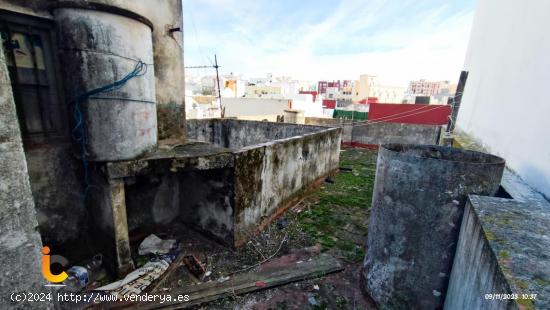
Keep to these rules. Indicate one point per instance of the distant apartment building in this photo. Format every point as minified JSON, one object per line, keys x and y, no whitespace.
{"x":234,"y":88}
{"x":361,"y":87}
{"x":208,"y":85}
{"x":438,"y":92}
{"x":423,"y":87}
{"x":257,"y":109}
{"x":324,"y":87}
{"x":263,"y":91}
{"x":387,"y":93}
{"x":366,"y":89}
{"x":289,"y":87}
{"x":262,"y":80}
{"x":430,"y":88}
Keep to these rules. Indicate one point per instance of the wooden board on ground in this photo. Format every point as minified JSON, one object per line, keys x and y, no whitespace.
{"x":268,"y":277}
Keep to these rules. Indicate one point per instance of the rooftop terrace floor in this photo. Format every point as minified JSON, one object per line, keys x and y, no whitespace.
{"x":331,"y":220}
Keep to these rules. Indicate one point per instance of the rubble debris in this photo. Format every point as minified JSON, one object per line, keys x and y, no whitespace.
{"x":222,"y":279}
{"x":194,"y":265}
{"x":81,"y":276}
{"x":161,"y":281}
{"x":282,"y":223}
{"x":139,"y":279}
{"x":248,"y":282}
{"x":312,"y":301}
{"x":155,"y":245}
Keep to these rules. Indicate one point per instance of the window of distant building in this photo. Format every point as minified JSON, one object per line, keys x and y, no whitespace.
{"x":29,"y":50}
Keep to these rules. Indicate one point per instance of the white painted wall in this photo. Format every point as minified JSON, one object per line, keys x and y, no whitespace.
{"x":505,"y":103}
{"x":305,"y":104}
{"x":252,"y":107}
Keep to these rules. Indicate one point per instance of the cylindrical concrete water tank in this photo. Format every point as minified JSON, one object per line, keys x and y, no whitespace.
{"x":417,"y":207}
{"x":98,"y":48}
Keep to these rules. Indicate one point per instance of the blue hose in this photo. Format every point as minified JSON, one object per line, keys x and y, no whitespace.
{"x":79,"y":133}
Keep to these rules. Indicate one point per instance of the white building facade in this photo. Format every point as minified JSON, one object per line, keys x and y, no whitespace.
{"x":504,"y":105}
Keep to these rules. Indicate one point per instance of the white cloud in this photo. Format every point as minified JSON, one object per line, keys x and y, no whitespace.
{"x":432,"y":46}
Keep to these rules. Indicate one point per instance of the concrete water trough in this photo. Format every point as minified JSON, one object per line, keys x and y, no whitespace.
{"x":228,"y":180}
{"x":273,"y":164}
{"x":418,"y":202}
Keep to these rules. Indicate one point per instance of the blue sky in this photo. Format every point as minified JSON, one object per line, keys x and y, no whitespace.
{"x":396,"y":40}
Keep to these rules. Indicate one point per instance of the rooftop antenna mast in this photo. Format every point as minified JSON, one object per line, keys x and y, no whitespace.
{"x":216,"y":66}
{"x":218,"y":81}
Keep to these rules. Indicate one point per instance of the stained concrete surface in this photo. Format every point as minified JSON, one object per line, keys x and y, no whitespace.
{"x":419,"y":195}
{"x":55,"y":182}
{"x":503,"y":249}
{"x":61,"y":213}
{"x":237,"y":134}
{"x":227,"y":194}
{"x":20,"y":242}
{"x":167,"y":48}
{"x":274,"y":164}
{"x":363,"y":133}
{"x":331,"y":220}
{"x":395,"y":133}
{"x":97,"y":49}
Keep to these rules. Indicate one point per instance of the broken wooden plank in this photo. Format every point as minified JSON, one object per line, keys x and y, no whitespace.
{"x":268,"y":277}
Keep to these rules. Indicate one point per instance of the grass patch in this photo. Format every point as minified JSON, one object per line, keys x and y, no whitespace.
{"x":337,"y":218}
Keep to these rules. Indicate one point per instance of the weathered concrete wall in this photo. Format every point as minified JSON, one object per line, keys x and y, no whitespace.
{"x":502,"y":249}
{"x":475,"y":270}
{"x":236,"y":134}
{"x":168,"y":57}
{"x":346,"y":125}
{"x":55,"y":182}
{"x":274,"y":163}
{"x":417,"y":207}
{"x":202,"y":199}
{"x":269,"y":177}
{"x":207,"y":202}
{"x":20,"y":243}
{"x":167,"y":48}
{"x":378,"y":133}
{"x":169,"y":66}
{"x":36,"y":8}
{"x":382,"y":132}
{"x":54,"y":172}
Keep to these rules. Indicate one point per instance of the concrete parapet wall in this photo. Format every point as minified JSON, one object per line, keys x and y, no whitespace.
{"x":378,"y":133}
{"x":361,"y":133}
{"x":270,"y":176}
{"x":502,"y":249}
{"x":236,"y":134}
{"x":475,"y":270}
{"x":274,"y":163}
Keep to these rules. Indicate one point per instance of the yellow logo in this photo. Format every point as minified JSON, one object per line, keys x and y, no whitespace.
{"x":46,"y":263}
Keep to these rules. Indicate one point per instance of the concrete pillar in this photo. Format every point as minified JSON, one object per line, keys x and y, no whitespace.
{"x":120,"y":226}
{"x":417,"y":207}
{"x":20,"y":242}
